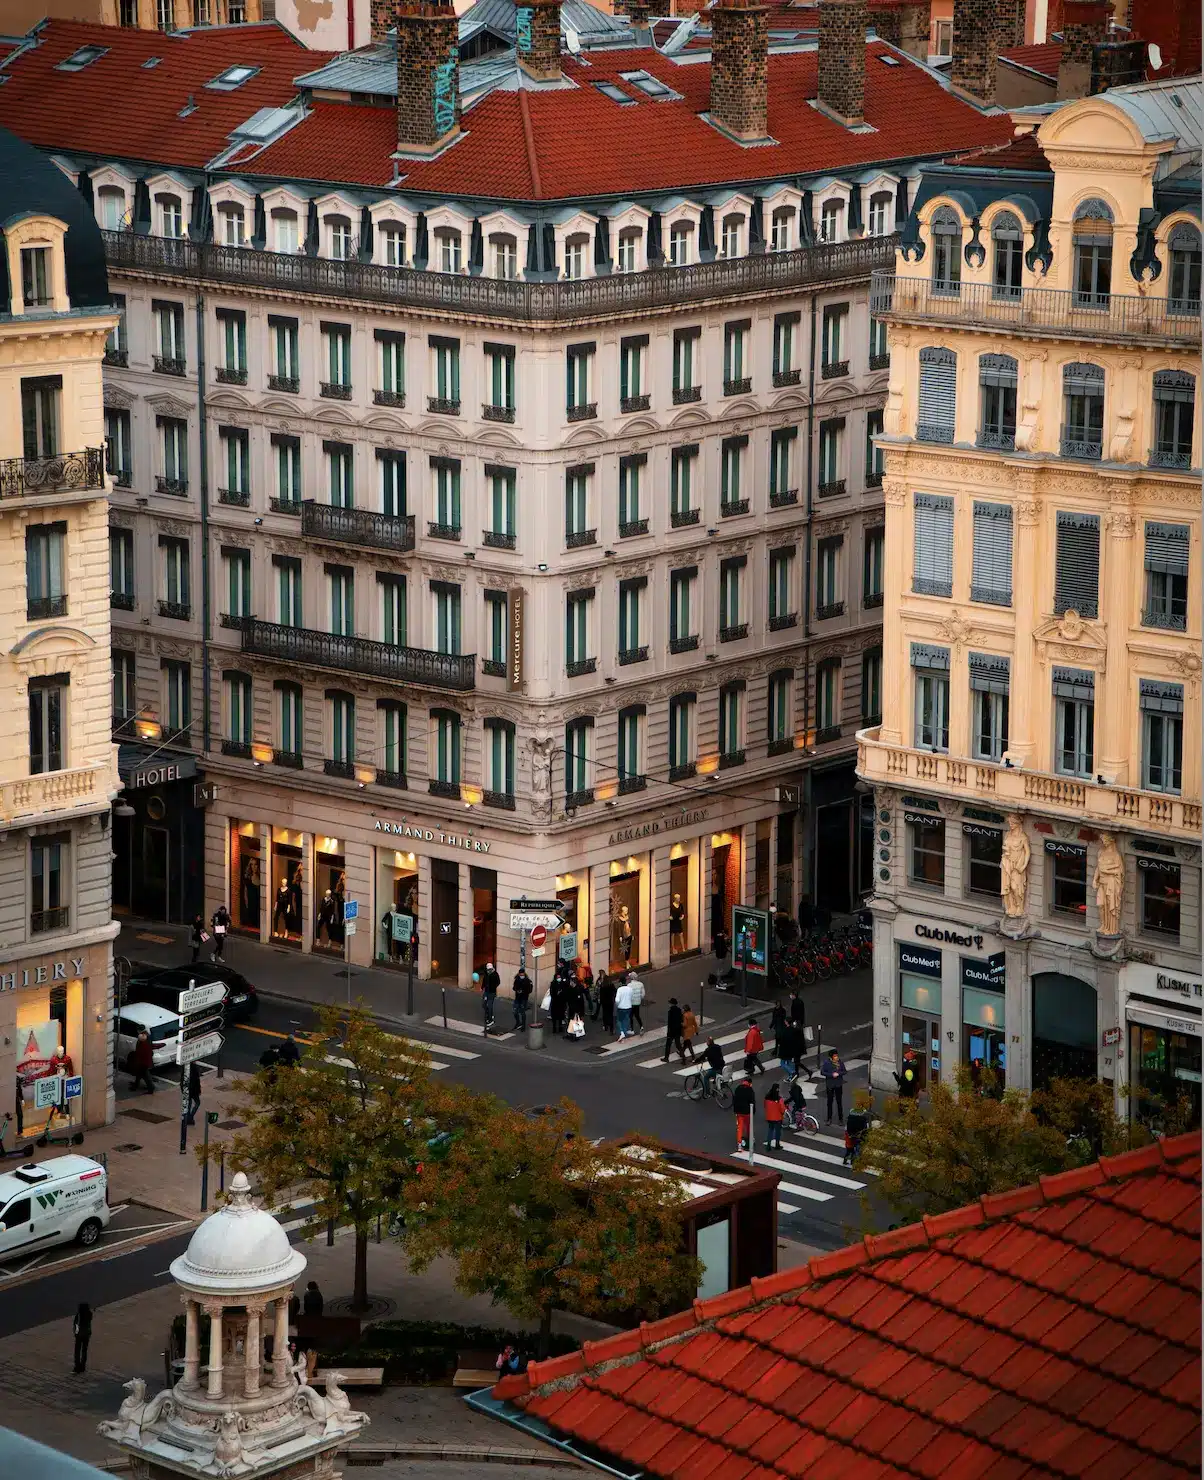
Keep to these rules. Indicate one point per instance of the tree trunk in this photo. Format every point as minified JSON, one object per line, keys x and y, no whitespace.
{"x":545,"y":1333}
{"x":359,"y":1300}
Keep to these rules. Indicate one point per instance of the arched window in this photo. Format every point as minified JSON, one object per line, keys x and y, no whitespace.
{"x":112,"y":208}
{"x":504,"y":253}
{"x":628,"y":258}
{"x":781,"y":230}
{"x":1092,"y":240}
{"x":285,"y":236}
{"x":576,"y":256}
{"x":392,"y":243}
{"x":232,"y":225}
{"x":831,"y":221}
{"x":338,"y":237}
{"x":1174,"y":418}
{"x":946,"y":251}
{"x":1082,"y":411}
{"x":881,"y":204}
{"x":1007,"y":241}
{"x":448,"y":248}
{"x":1184,"y":242}
{"x":171,"y":215}
{"x":731,"y":242}
{"x":681,"y":243}
{"x":997,"y":382}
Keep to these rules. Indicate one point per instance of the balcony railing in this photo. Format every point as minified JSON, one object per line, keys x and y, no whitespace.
{"x":28,"y":477}
{"x":490,"y":412}
{"x":629,"y":528}
{"x":450,"y":790}
{"x":389,"y":398}
{"x":493,"y":667}
{"x":733,"y":633}
{"x":1008,"y":788}
{"x":739,"y":387}
{"x":631,"y":655}
{"x":579,"y":667}
{"x":122,"y":601}
{"x":504,"y":799}
{"x":290,"y":383}
{"x":575,"y":799}
{"x":439,"y":531}
{"x":345,"y":770}
{"x":786,"y":377}
{"x":683,"y":395}
{"x":828,"y":609}
{"x":1056,"y":312}
{"x":582,"y":411}
{"x":38,"y":608}
{"x":730,"y":758}
{"x":1157,"y":616}
{"x":574,"y":539}
{"x":683,"y":771}
{"x":731,"y":510}
{"x":498,"y":539}
{"x":177,"y":487}
{"x":833,"y":489}
{"x":834,"y":369}
{"x":239,"y":497}
{"x":682,"y":518}
{"x":443,"y":405}
{"x":334,"y":390}
{"x":629,"y":784}
{"x":58,"y":918}
{"x":79,"y":789}
{"x":784,"y":498}
{"x":284,"y":505}
{"x":782,"y":621}
{"x":686,"y":643}
{"x":359,"y":655}
{"x":168,"y":365}
{"x":241,"y":749}
{"x":634,"y":403}
{"x":231,"y":375}
{"x":620,"y":294}
{"x":363,"y":527}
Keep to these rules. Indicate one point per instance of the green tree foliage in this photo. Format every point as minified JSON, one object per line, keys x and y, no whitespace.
{"x":538,"y":1218}
{"x":345,"y":1127}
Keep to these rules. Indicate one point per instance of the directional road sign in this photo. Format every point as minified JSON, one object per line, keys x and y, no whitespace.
{"x":195,"y":999}
{"x":198,"y":1048}
{"x":200,"y":1024}
{"x":351,"y":909}
{"x":538,"y":936}
{"x":530,"y":919}
{"x":539,"y":906}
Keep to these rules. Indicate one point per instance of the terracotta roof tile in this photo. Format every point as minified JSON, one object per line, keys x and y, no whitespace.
{"x":1042,"y":58}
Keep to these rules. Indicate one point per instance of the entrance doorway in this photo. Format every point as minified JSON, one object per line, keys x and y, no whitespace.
{"x":445,"y":920}
{"x":833,"y":852}
{"x":1065,"y":1031}
{"x":156,"y":873}
{"x":484,"y":917}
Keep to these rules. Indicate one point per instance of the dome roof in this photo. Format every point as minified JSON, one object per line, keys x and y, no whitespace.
{"x":238,"y":1249}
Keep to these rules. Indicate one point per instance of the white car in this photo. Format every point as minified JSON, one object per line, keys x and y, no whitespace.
{"x":53,"y":1202}
{"x":161,"y":1023}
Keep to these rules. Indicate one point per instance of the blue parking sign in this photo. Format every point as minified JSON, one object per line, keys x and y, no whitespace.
{"x":351,"y":909}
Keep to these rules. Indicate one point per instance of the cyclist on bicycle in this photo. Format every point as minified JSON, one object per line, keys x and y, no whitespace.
{"x":797,"y":1103}
{"x":714,"y":1064}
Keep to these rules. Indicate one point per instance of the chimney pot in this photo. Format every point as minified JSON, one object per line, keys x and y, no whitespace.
{"x":537,"y":39}
{"x":842,"y":59}
{"x":740,"y":69}
{"x":428,"y":75}
{"x":1084,"y":22}
{"x":975,"y":48}
{"x":906,"y":24}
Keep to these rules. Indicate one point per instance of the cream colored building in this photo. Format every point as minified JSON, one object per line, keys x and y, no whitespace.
{"x":1043,"y":606}
{"x":146,"y":15}
{"x":57,"y":762}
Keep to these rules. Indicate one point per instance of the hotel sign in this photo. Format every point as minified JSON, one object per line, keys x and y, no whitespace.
{"x":417,"y":833}
{"x":518,"y":637}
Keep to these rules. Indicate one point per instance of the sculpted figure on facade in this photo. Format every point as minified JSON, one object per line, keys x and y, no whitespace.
{"x":1108,"y":882}
{"x":1014,"y":868}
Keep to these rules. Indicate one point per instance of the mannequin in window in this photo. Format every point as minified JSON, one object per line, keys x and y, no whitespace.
{"x":677,"y":925}
{"x":294,"y":903}
{"x":623,"y":923}
{"x":282,"y":910}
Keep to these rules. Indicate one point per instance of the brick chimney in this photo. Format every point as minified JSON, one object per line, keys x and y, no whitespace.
{"x":381,"y":17}
{"x":1117,"y":64}
{"x":428,"y":76}
{"x":906,"y":24}
{"x":975,"y":48}
{"x":1009,"y":24}
{"x":740,"y":68}
{"x":1084,"y":22}
{"x":537,"y":43}
{"x":842,"y":60}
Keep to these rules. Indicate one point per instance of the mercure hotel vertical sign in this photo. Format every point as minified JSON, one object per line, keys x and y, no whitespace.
{"x":518,"y":637}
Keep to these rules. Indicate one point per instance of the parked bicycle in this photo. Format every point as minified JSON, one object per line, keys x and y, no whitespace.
{"x":704,"y":1086}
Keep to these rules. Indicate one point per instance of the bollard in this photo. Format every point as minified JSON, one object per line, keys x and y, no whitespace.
{"x":443,"y":995}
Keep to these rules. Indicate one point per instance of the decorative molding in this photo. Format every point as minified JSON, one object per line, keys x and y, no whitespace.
{"x":1072,"y":639}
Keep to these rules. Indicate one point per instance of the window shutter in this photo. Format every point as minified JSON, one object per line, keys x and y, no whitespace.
{"x":1166,"y":548}
{"x":933,"y":552}
{"x":923,"y":655}
{"x":1161,"y":698}
{"x":991,"y":579}
{"x":989,"y":674}
{"x":938,"y":395}
{"x":1077,"y":585}
{"x":1074,"y":683}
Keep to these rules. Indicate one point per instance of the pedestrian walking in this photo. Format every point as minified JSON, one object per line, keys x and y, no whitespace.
{"x":220,"y":924}
{"x":673,"y":1024}
{"x":199,"y":938}
{"x":777,"y":1021}
{"x":833,"y":1071}
{"x":743,"y":1101}
{"x":490,"y":982}
{"x":787,"y":1047}
{"x":522,"y":995}
{"x":637,"y":998}
{"x":909,"y":1080}
{"x":623,"y":1008}
{"x":194,"y":1091}
{"x":557,"y":1001}
{"x":689,"y":1031}
{"x":798,"y":1014}
{"x":81,"y":1329}
{"x":290,"y":1053}
{"x":144,"y":1062}
{"x":775,"y":1111}
{"x":312,"y":1303}
{"x":754,"y":1046}
{"x":607,"y":988}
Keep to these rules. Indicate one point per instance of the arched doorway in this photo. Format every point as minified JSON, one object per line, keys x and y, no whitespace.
{"x":1065,"y":1031}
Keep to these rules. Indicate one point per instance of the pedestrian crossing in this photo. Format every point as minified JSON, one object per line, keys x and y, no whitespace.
{"x":458,"y":1025}
{"x":803,"y":1166}
{"x":435,"y":1064}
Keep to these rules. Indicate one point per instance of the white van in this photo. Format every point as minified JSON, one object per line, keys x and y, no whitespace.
{"x":52,"y":1202}
{"x":162,"y":1025}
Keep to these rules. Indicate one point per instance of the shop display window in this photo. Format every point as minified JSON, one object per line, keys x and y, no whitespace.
{"x":927,"y":851}
{"x":1068,"y":894}
{"x":624,"y":921}
{"x":246,"y":876}
{"x":330,"y":897}
{"x":288,"y":874}
{"x":1160,"y":886}
{"x":1166,"y":1068}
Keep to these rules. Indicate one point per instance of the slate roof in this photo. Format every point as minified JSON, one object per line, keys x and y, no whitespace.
{"x":1053,"y":1331}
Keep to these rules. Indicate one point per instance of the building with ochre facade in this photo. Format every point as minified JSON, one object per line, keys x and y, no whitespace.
{"x":1036,"y":773}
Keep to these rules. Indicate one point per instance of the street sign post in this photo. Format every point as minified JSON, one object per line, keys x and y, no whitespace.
{"x":198,"y":1048}
{"x":540,"y":906}
{"x":539,"y":935}
{"x":194,"y":998}
{"x":529,"y":919}
{"x":210,"y":1119}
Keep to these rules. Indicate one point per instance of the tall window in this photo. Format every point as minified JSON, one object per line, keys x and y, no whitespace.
{"x":632,"y":396}
{"x":873,"y":566}
{"x":785,"y":334}
{"x":1092,"y":244}
{"x":938,"y":395}
{"x":500,"y":368}
{"x":446,"y":375}
{"x":627,"y":258}
{"x":781,"y":230}
{"x":736,"y":380}
{"x":997,"y":384}
{"x":827,"y":699}
{"x":341,"y":585}
{"x":577,"y":530}
{"x":827,"y":577}
{"x":40,"y":396}
{"x":577,"y":656}
{"x":341,"y":713}
{"x":682,"y":509}
{"x":393,"y":244}
{"x":392,"y":466}
{"x":879,"y":344}
{"x":831,"y":221}
{"x":782,"y":488}
{"x":1082,"y":411}
{"x":504,"y":250}
{"x":731,"y":237}
{"x":121,"y":568}
{"x":880,"y":214}
{"x":631,"y":470}
{"x":237,"y":704}
{"x":117,"y":345}
{"x":685,"y":344}
{"x":495,"y":632}
{"x":1161,"y":736}
{"x":946,"y":251}
{"x":630,"y":601}
{"x":989,"y":684}
{"x":232,"y":343}
{"x":731,"y":599}
{"x":45,"y":571}
{"x":875,"y":455}
{"x":1007,"y":244}
{"x":289,"y":611}
{"x":390,"y":368}
{"x":169,"y":325}
{"x":112,"y":208}
{"x":394,"y":615}
{"x":177,"y":592}
{"x":631,"y":748}
{"x":1074,"y":720}
{"x":1184,"y":289}
{"x":238,"y":581}
{"x":231,"y":225}
{"x":49,"y":887}
{"x":781,"y":588}
{"x":681,"y":244}
{"x":1174,"y":419}
{"x":984,"y":857}
{"x":118,"y":446}
{"x":1166,"y":562}
{"x":1076,"y":583}
{"x":394,"y":742}
{"x":171,"y":215}
{"x":731,"y":722}
{"x":578,"y":362}
{"x":177,"y":681}
{"x":834,"y":360}
{"x":683,"y":753}
{"x":576,"y":257}
{"x":236,"y":465}
{"x":871,"y":686}
{"x":47,"y":723}
{"x":124,"y":686}
{"x":502,"y":483}
{"x":447,"y":496}
{"x":35,"y":277}
{"x":731,"y":470}
{"x":932,"y":545}
{"x":290,"y":726}
{"x":831,"y":437}
{"x":499,"y":760}
{"x":682,"y":636}
{"x":448,"y":251}
{"x":930,"y":670}
{"x":340,"y":465}
{"x":448,"y":628}
{"x":926,"y":855}
{"x":286,"y":354}
{"x":578,"y":754}
{"x":336,"y":340}
{"x":173,"y":454}
{"x":1160,"y":883}
{"x":338,"y":237}
{"x":285,"y":232}
{"x":780,"y":709}
{"x":288,"y":471}
{"x":991,"y":576}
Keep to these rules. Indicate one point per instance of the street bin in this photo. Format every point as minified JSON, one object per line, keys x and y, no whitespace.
{"x":535,"y":1035}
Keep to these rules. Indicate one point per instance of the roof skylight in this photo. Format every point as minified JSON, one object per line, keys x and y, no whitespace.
{"x":888,"y":61}
{"x":233,"y":77}
{"x":151,"y":62}
{"x":615,"y":94}
{"x":660,"y":91}
{"x":81,"y":58}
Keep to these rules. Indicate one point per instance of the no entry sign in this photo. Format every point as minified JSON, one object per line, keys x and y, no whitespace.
{"x":538,"y":936}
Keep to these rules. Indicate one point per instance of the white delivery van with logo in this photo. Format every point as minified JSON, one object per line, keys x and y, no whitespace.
{"x":53,"y":1202}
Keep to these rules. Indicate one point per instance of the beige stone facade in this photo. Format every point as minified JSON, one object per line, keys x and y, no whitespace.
{"x":143,"y":15}
{"x":57,"y":762}
{"x":1043,"y":614}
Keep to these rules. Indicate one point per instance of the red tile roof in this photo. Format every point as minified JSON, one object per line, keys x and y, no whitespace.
{"x":1050,"y":1331}
{"x":117,"y":107}
{"x":1024,"y":153}
{"x":1042,"y":58}
{"x":583,"y":142}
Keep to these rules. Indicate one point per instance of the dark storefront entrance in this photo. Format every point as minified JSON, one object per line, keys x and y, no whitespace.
{"x":158,"y":867}
{"x":832,"y":794}
{"x":1065,"y":1031}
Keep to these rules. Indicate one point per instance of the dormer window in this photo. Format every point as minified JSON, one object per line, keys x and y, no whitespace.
{"x":35,"y":276}
{"x":504,"y":250}
{"x":731,"y":241}
{"x":232,"y":226}
{"x":284,"y":231}
{"x":393,"y":244}
{"x":879,"y":213}
{"x":831,"y":221}
{"x":447,"y":246}
{"x":946,"y":252}
{"x":338,"y":237}
{"x":575,"y":249}
{"x":1092,"y":255}
{"x":628,"y":259}
{"x":112,"y":208}
{"x":1184,"y":242}
{"x":681,"y":244}
{"x":171,"y":215}
{"x":781,"y":230}
{"x":1007,"y":241}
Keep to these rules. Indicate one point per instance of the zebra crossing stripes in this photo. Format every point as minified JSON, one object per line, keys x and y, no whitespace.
{"x":803,"y":1180}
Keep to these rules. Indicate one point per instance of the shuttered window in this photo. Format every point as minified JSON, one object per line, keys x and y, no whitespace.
{"x":991,"y":577}
{"x":1166,"y":547}
{"x":938,"y":395}
{"x":933,"y":552}
{"x":1077,"y":581}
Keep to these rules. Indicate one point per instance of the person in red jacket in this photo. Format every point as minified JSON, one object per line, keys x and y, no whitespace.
{"x":775,"y":1110}
{"x":754,"y":1045}
{"x":743,"y":1102}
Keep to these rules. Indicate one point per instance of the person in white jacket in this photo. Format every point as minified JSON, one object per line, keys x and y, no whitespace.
{"x":637,"y":999}
{"x":623,"y":1000}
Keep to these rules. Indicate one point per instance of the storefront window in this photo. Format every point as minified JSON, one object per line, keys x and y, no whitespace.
{"x":1068,"y":867}
{"x":920,"y":1018}
{"x":397,"y":895}
{"x":624,"y":920}
{"x":445,"y":919}
{"x":725,"y":881}
{"x":1166,"y":1070}
{"x":984,"y":1039}
{"x":331,"y":893}
{"x":927,"y":855}
{"x":1064,"y":1029}
{"x":682,"y":926}
{"x":1159,"y":884}
{"x":984,"y":853}
{"x":288,"y":872}
{"x":484,"y":917}
{"x":245,"y":876}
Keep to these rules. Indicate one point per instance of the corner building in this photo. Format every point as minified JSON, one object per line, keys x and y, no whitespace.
{"x":1036,"y":773}
{"x":58,"y":774}
{"x":497,"y":509}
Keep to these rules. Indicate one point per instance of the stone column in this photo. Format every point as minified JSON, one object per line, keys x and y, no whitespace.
{"x":1024,"y":710}
{"x":215,"y":1348}
{"x":1119,"y":596}
{"x":280,"y":1362}
{"x":253,"y":1358}
{"x":896,"y":723}
{"x":192,"y":1345}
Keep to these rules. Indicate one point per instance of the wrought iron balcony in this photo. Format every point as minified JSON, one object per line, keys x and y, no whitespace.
{"x":1054,"y":312}
{"x":992,"y":595}
{"x":362,"y":527}
{"x":785,"y":498}
{"x":786,"y":377}
{"x":290,"y":383}
{"x":834,"y":489}
{"x":682,"y":518}
{"x":782,"y":746}
{"x":28,"y":477}
{"x":730,"y":511}
{"x":284,"y":506}
{"x":443,"y":405}
{"x":448,"y":789}
{"x":829,"y":609}
{"x":580,"y":667}
{"x":439,"y":531}
{"x":118,"y":357}
{"x":122,"y":601}
{"x":739,"y":387}
{"x":873,"y":599}
{"x":880,"y":362}
{"x":628,"y":656}
{"x":493,"y":667}
{"x":683,"y":771}
{"x":38,"y":608}
{"x":994,"y":441}
{"x":1167,"y":621}
{"x":733,"y":633}
{"x":293,"y":759}
{"x":395,"y":779}
{"x":177,"y":487}
{"x":168,"y":365}
{"x":576,"y":538}
{"x":359,"y":655}
{"x":1177,"y":459}
{"x":231,"y":375}
{"x":629,"y":528}
{"x":293,"y":274}
{"x":499,"y":539}
{"x":683,"y":395}
{"x":345,"y":770}
{"x":389,"y":398}
{"x":575,"y":799}
{"x":334,"y":390}
{"x":634,"y":403}
{"x":684,"y":644}
{"x":240,"y":497}
{"x":502,"y":799}
{"x":122,"y":477}
{"x":1077,"y":447}
{"x":178,"y":611}
{"x":826,"y":733}
{"x":629,"y":784}
{"x":834,"y":369}
{"x":782,"y":621}
{"x":873,"y":478}
{"x":583,"y":411}
{"x":490,"y":412}
{"x":241,"y":749}
{"x":730,"y":758}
